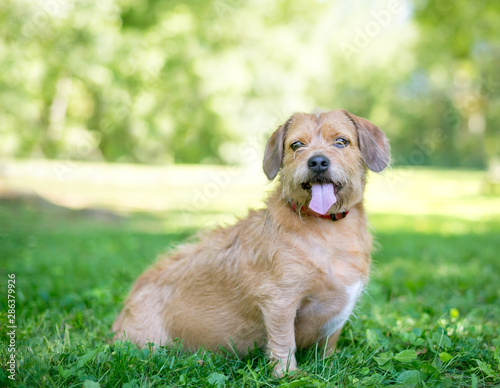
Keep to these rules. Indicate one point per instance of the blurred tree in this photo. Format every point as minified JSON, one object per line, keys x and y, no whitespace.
{"x":458,"y":53}
{"x":109,"y":80}
{"x":158,"y":81}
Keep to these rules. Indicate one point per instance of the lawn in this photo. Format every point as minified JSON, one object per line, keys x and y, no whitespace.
{"x":430,"y":315}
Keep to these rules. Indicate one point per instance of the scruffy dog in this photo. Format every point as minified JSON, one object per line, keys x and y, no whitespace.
{"x":287,"y":276}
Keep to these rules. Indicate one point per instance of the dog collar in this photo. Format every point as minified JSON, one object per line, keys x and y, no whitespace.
{"x":333,"y":217}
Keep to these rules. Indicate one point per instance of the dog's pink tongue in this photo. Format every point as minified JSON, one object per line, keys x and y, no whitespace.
{"x":323,"y":197}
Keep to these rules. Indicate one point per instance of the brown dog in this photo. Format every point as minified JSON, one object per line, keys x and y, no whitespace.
{"x":285,"y":277}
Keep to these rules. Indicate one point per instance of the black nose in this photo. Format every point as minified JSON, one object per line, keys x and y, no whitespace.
{"x":318,"y":163}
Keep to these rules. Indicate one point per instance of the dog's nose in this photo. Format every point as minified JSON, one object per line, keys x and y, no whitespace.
{"x":318,"y":163}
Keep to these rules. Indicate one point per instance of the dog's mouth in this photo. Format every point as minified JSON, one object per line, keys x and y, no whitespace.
{"x":323,"y":195}
{"x":336,"y":185}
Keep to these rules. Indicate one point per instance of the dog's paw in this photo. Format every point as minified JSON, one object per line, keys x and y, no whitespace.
{"x":283,"y":367}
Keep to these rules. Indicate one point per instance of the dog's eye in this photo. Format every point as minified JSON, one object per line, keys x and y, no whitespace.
{"x":341,"y":142}
{"x":296,"y":145}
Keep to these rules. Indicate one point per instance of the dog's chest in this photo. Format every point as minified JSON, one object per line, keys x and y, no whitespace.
{"x":341,"y":309}
{"x":337,"y":281}
{"x":324,"y":312}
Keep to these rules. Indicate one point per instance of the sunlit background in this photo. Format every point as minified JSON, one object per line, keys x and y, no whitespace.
{"x":148,"y":105}
{"x":127,"y":126}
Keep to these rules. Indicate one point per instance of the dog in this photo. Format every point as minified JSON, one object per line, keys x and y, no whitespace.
{"x":287,"y":276}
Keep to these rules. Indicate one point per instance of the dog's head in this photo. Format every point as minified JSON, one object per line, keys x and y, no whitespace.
{"x":323,"y":158}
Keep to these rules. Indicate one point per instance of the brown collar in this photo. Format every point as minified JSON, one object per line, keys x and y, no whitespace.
{"x":333,"y":217}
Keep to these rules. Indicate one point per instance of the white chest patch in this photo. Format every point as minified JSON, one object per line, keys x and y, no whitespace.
{"x":352,"y":293}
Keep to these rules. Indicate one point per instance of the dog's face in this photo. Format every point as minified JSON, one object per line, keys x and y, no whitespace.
{"x":325,"y":153}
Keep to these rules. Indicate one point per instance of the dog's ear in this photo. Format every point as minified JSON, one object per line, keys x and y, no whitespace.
{"x":273,"y":156}
{"x":372,"y":143}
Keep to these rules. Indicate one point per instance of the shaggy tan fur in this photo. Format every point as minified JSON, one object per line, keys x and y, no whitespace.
{"x":281,"y":279}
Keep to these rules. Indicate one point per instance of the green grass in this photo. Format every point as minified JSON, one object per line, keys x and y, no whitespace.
{"x":430,"y":316}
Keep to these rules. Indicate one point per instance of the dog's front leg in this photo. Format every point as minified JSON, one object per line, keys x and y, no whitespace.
{"x":279,"y":319}
{"x":331,"y":343}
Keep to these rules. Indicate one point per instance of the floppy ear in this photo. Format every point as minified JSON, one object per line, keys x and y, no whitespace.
{"x":273,"y":156}
{"x":372,"y":143}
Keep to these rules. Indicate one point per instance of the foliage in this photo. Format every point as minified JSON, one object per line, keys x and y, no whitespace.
{"x":186,"y":81}
{"x":460,"y":62}
{"x":430,"y":316}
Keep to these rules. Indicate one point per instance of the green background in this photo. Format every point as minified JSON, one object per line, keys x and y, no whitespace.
{"x":161,"y":81}
{"x":127,"y":126}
